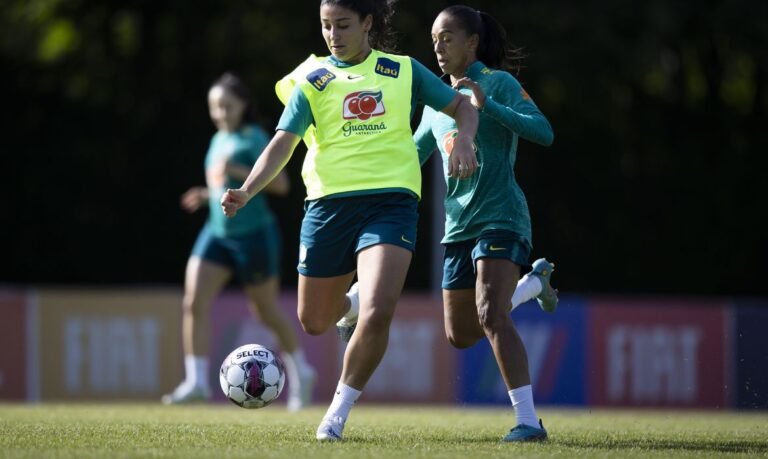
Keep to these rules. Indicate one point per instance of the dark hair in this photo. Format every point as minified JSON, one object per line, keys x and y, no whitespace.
{"x":492,"y":49}
{"x":235,"y":85}
{"x":381,"y":36}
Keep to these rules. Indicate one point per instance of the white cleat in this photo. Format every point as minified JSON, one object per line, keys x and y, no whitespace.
{"x":331,"y":429}
{"x":187,"y":393}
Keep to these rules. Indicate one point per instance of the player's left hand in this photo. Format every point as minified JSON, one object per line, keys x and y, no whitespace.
{"x":462,"y":162}
{"x":478,"y":95}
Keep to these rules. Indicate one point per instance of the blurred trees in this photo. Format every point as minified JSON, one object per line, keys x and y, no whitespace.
{"x":654,"y":185}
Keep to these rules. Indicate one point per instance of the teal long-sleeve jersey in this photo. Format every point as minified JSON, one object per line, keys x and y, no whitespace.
{"x":490,"y":199}
{"x":243,"y":148}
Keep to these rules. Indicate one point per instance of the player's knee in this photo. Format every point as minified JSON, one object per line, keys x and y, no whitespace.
{"x":378,"y":321}
{"x":191,"y":307}
{"x":313,"y":324}
{"x":313,"y":329}
{"x":490,"y":314}
{"x":460,"y":341}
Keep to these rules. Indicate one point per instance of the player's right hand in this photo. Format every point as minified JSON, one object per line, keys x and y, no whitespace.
{"x":194,"y":198}
{"x":233,"y":200}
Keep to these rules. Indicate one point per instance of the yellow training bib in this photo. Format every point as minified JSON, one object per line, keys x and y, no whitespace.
{"x":362,"y":138}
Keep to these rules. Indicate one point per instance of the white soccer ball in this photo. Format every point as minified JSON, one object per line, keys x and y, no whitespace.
{"x":252,"y":376}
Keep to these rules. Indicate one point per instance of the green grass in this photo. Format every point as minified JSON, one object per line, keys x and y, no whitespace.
{"x":135,"y":430}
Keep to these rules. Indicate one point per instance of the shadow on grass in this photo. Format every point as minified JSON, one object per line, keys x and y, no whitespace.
{"x":694,"y":445}
{"x":734,"y":446}
{"x":405,"y":441}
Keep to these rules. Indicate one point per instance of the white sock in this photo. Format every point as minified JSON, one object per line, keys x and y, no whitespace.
{"x":353,"y":295}
{"x":292,"y":372}
{"x":301,"y":361}
{"x":342,"y":402}
{"x":296,"y":366}
{"x":522,"y":402}
{"x":528,"y":288}
{"x":196,"y":369}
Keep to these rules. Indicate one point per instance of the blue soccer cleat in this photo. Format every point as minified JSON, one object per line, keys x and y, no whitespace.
{"x":547,"y":299}
{"x":524,"y":432}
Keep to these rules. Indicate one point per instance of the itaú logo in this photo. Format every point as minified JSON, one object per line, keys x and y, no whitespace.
{"x":362,"y":105}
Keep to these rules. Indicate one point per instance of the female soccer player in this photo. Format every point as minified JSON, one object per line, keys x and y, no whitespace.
{"x":362,"y":177}
{"x":488,"y":231}
{"x":246,"y":247}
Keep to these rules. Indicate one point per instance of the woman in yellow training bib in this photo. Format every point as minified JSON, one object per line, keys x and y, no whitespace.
{"x":362,"y":175}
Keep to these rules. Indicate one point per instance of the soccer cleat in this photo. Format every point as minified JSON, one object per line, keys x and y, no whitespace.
{"x":524,"y":432}
{"x":345,"y":327}
{"x":547,"y":299}
{"x":186,"y":393}
{"x":303,"y":397}
{"x":330,"y":429}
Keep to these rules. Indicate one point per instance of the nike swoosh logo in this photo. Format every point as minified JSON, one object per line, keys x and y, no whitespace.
{"x":405,"y":240}
{"x":354,"y":77}
{"x":496,"y":249}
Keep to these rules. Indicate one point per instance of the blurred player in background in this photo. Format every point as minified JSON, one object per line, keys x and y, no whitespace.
{"x":246,"y":247}
{"x":363,"y":181}
{"x":488,"y":229}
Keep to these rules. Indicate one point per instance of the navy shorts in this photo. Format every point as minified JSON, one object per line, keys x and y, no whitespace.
{"x":335,"y":229}
{"x":253,"y":257}
{"x":460,"y":258}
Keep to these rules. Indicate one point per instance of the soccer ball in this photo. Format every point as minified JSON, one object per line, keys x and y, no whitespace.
{"x":252,"y":376}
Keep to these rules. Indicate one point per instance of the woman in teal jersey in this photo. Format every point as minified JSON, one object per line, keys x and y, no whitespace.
{"x":363,"y":182}
{"x":246,"y":248}
{"x":488,"y":231}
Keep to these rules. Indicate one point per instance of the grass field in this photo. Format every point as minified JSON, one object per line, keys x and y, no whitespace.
{"x":136,"y":430}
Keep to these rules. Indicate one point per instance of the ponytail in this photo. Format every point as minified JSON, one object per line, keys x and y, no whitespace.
{"x":493,"y":50}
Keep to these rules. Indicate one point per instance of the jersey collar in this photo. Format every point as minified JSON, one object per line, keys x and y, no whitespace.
{"x":474,"y":71}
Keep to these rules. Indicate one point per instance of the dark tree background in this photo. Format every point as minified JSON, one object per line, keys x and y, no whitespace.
{"x":655,"y":184}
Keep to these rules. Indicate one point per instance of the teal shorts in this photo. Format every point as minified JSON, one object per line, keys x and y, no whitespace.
{"x":334,"y":230}
{"x":253,"y":257}
{"x":460,"y":258}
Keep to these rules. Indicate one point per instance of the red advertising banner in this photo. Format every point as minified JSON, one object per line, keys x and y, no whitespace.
{"x":419,"y":364}
{"x":664,"y":353}
{"x":13,"y":358}
{"x":108,"y":344}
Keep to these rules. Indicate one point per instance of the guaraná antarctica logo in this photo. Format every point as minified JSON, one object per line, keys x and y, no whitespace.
{"x":448,"y":139}
{"x":362,"y":105}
